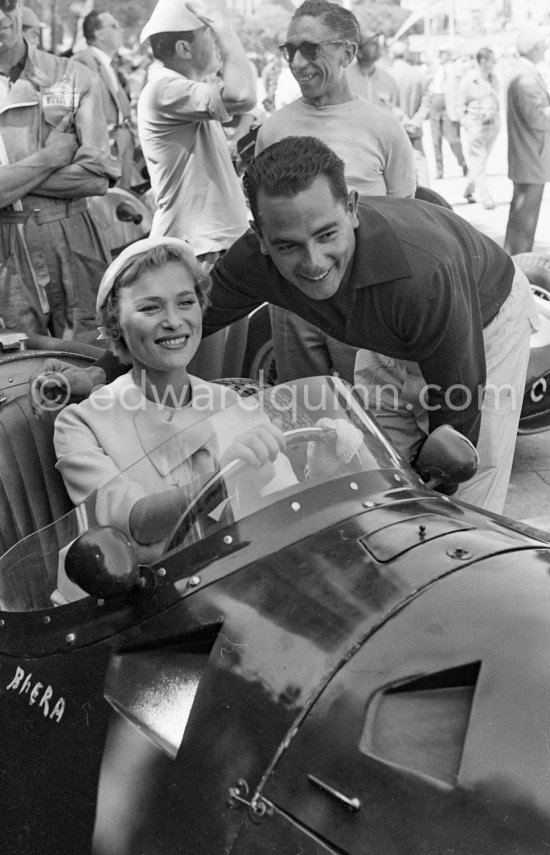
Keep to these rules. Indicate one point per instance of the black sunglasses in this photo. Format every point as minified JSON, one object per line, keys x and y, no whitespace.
{"x":309,"y":50}
{"x":7,"y":5}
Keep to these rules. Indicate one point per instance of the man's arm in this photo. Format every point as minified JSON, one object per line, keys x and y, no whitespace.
{"x":399,"y":172}
{"x":532,"y":103}
{"x":92,"y":169}
{"x":239,"y":84}
{"x":442,"y":326}
{"x":239,"y":284}
{"x":30,"y":173}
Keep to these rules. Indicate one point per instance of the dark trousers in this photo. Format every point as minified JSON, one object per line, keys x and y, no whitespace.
{"x":523,"y":217}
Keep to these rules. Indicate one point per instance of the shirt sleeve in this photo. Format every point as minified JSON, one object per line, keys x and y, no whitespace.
{"x":94,"y":152}
{"x":86,"y":468}
{"x":191,"y":100}
{"x":443,"y":326}
{"x":531,"y":104}
{"x":238,"y":279}
{"x":399,"y":172}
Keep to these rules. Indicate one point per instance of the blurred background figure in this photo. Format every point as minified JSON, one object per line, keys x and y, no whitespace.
{"x":444,"y":119}
{"x":54,"y":153}
{"x":32,"y":27}
{"x":528,"y":121}
{"x":478,"y":105}
{"x":366,"y":78}
{"x":413,"y":104}
{"x":103,"y":38}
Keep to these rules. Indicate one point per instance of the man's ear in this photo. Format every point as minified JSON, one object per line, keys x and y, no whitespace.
{"x":350,"y":54}
{"x":256,"y":229}
{"x":182,"y":49}
{"x":353,"y":201}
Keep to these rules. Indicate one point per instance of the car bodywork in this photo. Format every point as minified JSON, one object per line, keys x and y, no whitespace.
{"x":357,"y":665}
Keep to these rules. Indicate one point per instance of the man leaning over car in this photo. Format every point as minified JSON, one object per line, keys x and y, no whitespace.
{"x":445,"y":313}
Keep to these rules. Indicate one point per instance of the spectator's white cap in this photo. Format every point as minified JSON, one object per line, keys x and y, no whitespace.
{"x":170,"y":16}
{"x":132,"y":251}
{"x":527,"y":40}
{"x":29,"y":19}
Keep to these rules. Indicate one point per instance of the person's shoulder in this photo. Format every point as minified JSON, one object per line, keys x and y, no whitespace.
{"x":243,"y":256}
{"x":96,"y":404}
{"x":282,"y":115}
{"x":85,"y":57}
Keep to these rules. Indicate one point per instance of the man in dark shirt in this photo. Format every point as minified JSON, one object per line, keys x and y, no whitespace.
{"x":442,"y":306}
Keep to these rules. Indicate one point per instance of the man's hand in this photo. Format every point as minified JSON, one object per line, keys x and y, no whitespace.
{"x":61,"y":143}
{"x":214,"y":14}
{"x":325,"y":458}
{"x":57,"y":383}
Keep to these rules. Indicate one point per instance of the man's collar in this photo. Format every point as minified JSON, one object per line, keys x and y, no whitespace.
{"x":378,"y":255}
{"x":100,"y":54}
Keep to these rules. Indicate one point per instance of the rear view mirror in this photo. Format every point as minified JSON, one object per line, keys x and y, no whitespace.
{"x":447,"y":457}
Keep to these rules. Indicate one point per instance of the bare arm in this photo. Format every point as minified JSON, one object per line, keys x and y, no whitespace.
{"x":239,"y":85}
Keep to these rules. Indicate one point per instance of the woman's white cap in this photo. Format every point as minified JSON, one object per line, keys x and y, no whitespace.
{"x":170,"y":16}
{"x":132,"y":251}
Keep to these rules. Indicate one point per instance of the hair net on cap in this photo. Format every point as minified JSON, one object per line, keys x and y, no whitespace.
{"x":135,"y":249}
{"x":170,"y":16}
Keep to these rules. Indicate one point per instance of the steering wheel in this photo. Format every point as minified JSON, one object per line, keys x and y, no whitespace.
{"x":213,"y":493}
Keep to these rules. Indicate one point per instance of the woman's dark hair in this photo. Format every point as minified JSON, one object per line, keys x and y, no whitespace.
{"x":153,"y":259}
{"x":290,"y":166}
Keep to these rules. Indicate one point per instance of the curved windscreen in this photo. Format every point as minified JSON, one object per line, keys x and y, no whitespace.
{"x":327,"y":435}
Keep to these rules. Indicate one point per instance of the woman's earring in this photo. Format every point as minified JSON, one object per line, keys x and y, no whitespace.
{"x":115,"y":334}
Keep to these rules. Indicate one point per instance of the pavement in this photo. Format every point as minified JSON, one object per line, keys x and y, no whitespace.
{"x":528,"y":496}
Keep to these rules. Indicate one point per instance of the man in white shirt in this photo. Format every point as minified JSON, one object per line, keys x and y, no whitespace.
{"x":196,"y":189}
{"x":180,"y":113}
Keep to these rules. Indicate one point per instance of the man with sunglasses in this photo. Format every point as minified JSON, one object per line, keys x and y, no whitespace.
{"x":322,"y":42}
{"x":54,"y":152}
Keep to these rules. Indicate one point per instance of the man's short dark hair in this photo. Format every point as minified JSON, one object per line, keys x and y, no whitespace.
{"x":91,"y":24}
{"x":291,"y":165}
{"x":341,"y":21}
{"x":163,"y":45}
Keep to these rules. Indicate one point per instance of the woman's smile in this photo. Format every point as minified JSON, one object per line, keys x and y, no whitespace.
{"x":161,"y":323}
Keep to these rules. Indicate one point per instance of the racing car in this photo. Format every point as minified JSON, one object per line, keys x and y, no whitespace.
{"x":354,"y":663}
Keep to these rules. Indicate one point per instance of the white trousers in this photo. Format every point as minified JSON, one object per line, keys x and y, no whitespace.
{"x":393,"y":389}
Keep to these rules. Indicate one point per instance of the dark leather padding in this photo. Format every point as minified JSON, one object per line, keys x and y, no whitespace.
{"x":32,"y":493}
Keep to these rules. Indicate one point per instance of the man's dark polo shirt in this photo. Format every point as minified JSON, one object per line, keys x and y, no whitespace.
{"x":423,"y":284}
